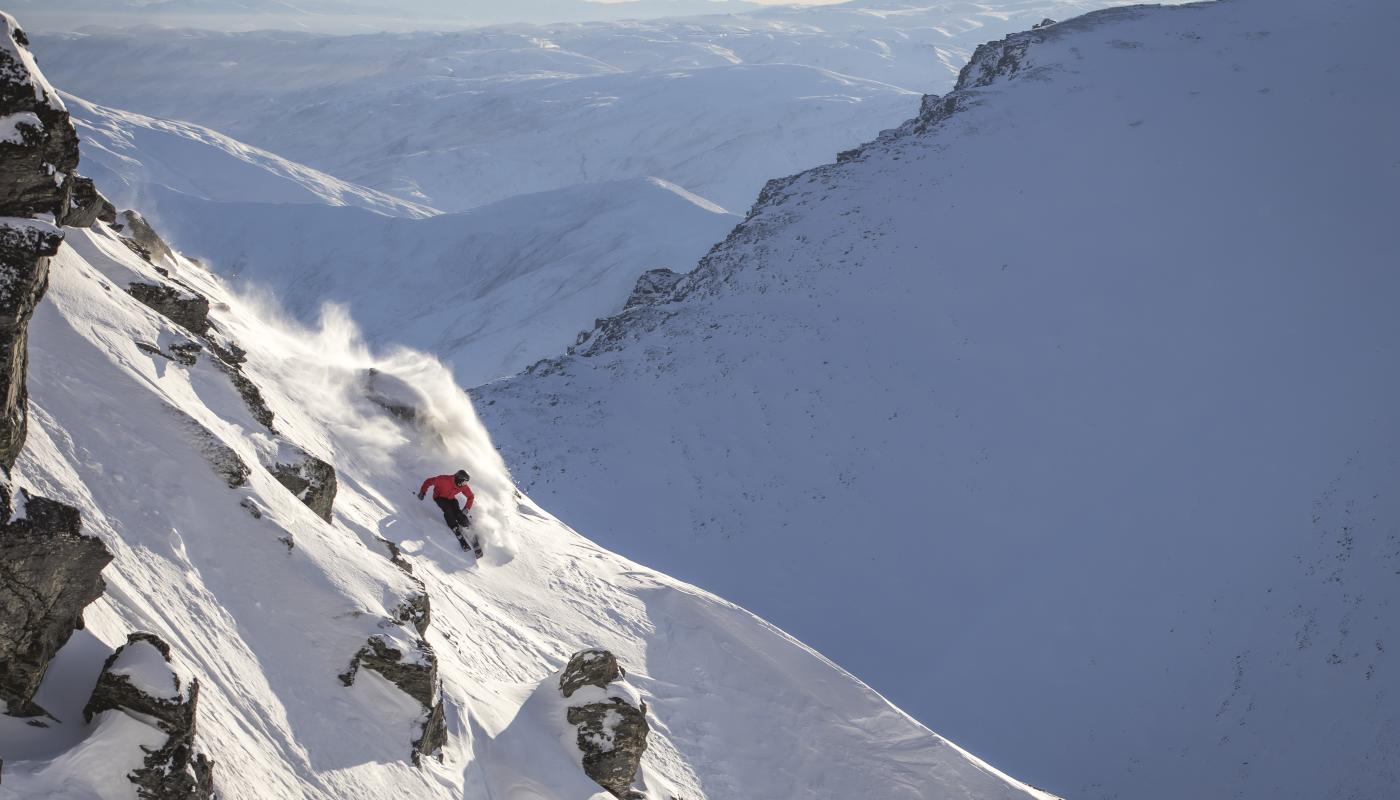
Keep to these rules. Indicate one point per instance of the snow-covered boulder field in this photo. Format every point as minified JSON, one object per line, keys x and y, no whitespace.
{"x":1076,"y":392}
{"x":283,"y":618}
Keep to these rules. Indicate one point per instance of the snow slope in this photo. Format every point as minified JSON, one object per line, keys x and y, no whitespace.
{"x":456,"y":120}
{"x":267,"y":611}
{"x":131,"y":154}
{"x":489,"y":291}
{"x":1080,"y":398}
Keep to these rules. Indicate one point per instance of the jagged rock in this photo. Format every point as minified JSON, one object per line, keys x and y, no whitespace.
{"x":137,"y":680}
{"x":612,"y":732}
{"x":651,"y":285}
{"x":415,"y":673}
{"x":188,"y":309}
{"x":308,"y":477}
{"x":417,"y":611}
{"x":590,"y":668}
{"x":144,"y":235}
{"x":25,"y":248}
{"x":230,"y":466}
{"x":49,"y":572}
{"x":38,"y":144}
{"x":86,"y":205}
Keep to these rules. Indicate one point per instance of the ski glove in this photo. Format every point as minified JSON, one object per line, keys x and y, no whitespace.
{"x":420,"y":495}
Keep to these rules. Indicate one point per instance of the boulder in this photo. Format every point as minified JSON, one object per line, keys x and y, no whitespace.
{"x":138,"y":680}
{"x":590,"y":668}
{"x":414,"y":671}
{"x":25,"y":248}
{"x":144,"y":235}
{"x":49,"y":572}
{"x":86,"y":205}
{"x":38,"y":144}
{"x":308,"y":477}
{"x":185,"y":308}
{"x":611,"y":721}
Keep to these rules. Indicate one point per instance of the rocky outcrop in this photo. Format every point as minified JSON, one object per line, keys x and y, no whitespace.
{"x":188,"y":309}
{"x":225,"y":461}
{"x":138,"y":680}
{"x":653,"y":284}
{"x":146,"y":237}
{"x":308,"y":477}
{"x":49,"y":572}
{"x":38,"y":144}
{"x":414,"y":671}
{"x":86,"y":205}
{"x":25,"y":248}
{"x":611,"y":723}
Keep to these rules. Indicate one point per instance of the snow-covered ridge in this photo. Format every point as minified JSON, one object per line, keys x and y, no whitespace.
{"x":1073,"y":390}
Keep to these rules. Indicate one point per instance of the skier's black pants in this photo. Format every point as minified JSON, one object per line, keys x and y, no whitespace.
{"x":453,"y":513}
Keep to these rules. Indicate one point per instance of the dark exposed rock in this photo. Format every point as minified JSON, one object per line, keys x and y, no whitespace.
{"x":416,"y":675}
{"x":175,"y":771}
{"x":417,"y":611}
{"x":143,"y":234}
{"x":612,"y":736}
{"x":40,"y":151}
{"x":590,"y":668}
{"x":187,"y":309}
{"x":87,"y":205}
{"x":1044,"y":23}
{"x":230,"y":466}
{"x":25,"y":248}
{"x":183,"y":353}
{"x":652,"y":285}
{"x":49,"y":572}
{"x":309,"y":478}
{"x":396,"y":556}
{"x":612,"y":733}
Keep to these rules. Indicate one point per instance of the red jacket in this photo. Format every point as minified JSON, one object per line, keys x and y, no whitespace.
{"x":445,"y":487}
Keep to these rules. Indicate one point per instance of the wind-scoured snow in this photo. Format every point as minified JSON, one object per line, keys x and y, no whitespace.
{"x":1067,"y":419}
{"x":132,"y":154}
{"x":266,"y":611}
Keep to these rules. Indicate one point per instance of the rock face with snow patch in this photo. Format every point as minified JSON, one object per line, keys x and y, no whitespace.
{"x":309,"y":478}
{"x":415,"y":673}
{"x":49,"y":572}
{"x":612,"y":731}
{"x":38,"y":144}
{"x":137,"y":680}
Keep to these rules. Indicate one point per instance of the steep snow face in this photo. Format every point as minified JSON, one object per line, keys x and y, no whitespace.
{"x":1076,"y":393}
{"x":132,"y":154}
{"x":716,"y":105}
{"x":490,"y":291}
{"x":265,"y":603}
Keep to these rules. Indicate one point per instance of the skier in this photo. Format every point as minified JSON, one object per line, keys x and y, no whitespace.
{"x":445,"y":491}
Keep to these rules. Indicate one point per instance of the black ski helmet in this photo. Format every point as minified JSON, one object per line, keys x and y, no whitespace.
{"x":461,"y":477}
